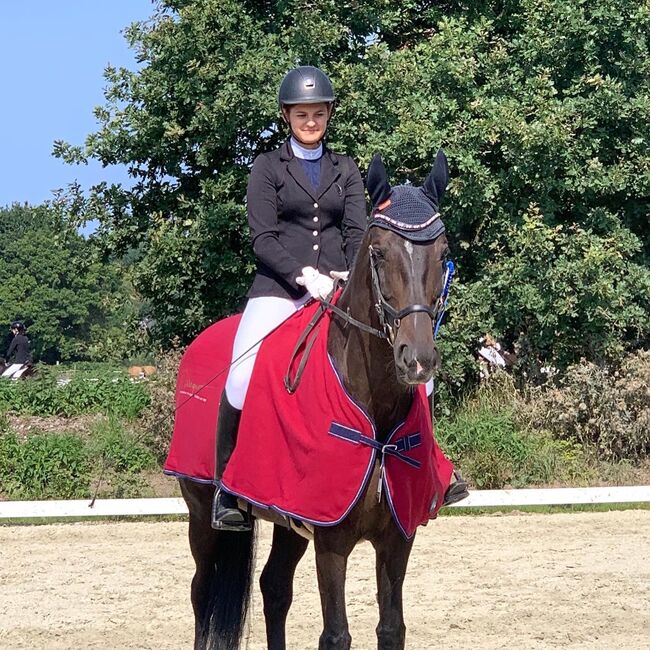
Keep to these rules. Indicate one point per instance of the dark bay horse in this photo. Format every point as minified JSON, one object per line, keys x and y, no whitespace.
{"x":395,"y":287}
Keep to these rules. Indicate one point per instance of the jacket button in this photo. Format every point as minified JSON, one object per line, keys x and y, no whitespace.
{"x":315,"y":205}
{"x":315,"y":219}
{"x":315,"y":247}
{"x":315,"y":233}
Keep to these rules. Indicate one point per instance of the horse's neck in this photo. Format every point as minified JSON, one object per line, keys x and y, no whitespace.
{"x":365,"y":361}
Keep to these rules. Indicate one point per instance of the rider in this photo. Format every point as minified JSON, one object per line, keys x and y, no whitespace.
{"x":19,"y":352}
{"x":307,"y":216}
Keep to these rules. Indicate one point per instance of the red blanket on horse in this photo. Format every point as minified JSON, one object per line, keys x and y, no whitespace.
{"x":309,"y":454}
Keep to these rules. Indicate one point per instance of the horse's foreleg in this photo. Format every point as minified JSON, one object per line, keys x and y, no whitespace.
{"x":333,"y":547}
{"x":276,"y":583}
{"x":392,"y":558}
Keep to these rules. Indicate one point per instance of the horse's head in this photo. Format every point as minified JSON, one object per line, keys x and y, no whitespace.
{"x":408,"y":262}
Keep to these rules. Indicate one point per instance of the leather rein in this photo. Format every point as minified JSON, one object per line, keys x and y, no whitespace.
{"x":389,"y":318}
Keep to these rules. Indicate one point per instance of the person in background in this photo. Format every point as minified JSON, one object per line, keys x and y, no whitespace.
{"x":19,"y":353}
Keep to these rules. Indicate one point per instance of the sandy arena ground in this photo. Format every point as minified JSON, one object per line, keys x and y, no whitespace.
{"x":512,"y":581}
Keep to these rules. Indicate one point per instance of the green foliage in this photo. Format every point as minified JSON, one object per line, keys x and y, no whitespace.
{"x":120,"y":452}
{"x":43,"y":466}
{"x":546,"y":131}
{"x":555,"y":294}
{"x":48,"y":395}
{"x":157,"y":419}
{"x":489,"y":439}
{"x":66,"y":466}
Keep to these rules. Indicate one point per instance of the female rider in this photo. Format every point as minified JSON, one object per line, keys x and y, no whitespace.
{"x":307,"y":216}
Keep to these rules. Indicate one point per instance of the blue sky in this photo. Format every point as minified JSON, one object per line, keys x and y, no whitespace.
{"x":52,"y":57}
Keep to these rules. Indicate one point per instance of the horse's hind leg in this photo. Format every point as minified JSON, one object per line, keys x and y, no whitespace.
{"x":203,"y":544}
{"x":276,"y":583}
{"x":392,"y":552}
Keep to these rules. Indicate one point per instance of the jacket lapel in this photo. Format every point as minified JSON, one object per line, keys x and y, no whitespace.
{"x":329,"y":172}
{"x":298,"y":174}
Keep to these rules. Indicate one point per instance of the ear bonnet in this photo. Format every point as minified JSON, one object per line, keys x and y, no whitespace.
{"x":410,"y":211}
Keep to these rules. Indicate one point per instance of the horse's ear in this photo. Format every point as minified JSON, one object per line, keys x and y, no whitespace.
{"x":378,"y":186}
{"x":436,"y":184}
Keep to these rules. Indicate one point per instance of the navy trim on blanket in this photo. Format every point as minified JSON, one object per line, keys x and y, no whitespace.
{"x":195,"y":479}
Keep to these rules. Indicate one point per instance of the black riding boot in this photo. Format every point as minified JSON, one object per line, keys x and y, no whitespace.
{"x":225,"y":513}
{"x":457,"y":490}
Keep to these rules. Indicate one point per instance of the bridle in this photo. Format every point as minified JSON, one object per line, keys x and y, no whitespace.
{"x":391,"y":319}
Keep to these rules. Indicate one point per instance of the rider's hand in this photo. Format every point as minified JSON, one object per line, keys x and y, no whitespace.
{"x":317,"y":284}
{"x":340,"y":275}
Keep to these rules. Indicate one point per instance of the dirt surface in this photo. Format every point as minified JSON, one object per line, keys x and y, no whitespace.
{"x":519,"y":581}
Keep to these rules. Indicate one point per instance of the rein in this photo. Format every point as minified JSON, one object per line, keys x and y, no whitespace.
{"x":385,"y":311}
{"x":308,"y":341}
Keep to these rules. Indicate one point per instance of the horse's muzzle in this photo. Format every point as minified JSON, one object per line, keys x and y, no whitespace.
{"x":415,"y":366}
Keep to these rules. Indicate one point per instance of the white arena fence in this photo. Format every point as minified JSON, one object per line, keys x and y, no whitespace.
{"x":477,"y":499}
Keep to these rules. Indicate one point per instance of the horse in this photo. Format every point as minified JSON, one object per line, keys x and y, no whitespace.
{"x":395,"y":289}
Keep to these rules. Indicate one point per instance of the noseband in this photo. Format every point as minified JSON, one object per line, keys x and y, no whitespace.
{"x":391,"y":319}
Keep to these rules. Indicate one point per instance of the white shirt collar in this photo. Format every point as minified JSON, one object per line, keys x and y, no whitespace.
{"x":306,"y":154}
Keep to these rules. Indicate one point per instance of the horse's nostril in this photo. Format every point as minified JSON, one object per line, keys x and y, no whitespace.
{"x":404,"y":355}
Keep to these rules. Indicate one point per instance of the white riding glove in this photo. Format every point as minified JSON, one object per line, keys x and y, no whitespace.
{"x":317,"y":284}
{"x":340,"y":275}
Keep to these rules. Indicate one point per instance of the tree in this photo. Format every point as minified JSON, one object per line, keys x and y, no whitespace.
{"x":540,"y":105}
{"x":49,"y":279}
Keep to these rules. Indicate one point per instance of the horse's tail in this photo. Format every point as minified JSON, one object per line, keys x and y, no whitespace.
{"x":230,"y":591}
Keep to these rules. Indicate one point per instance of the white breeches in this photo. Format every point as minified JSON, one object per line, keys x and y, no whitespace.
{"x":15,"y":370}
{"x":261,"y":316}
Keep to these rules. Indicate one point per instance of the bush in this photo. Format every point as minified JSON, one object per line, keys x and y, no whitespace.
{"x":118,"y":448}
{"x":43,"y":466}
{"x":64,"y":466}
{"x":485,"y":438}
{"x":157,"y":419}
{"x":50,"y":394}
{"x":605,"y":409}
{"x":119,"y":457}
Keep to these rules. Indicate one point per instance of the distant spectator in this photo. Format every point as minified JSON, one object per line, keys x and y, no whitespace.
{"x":19,"y":353}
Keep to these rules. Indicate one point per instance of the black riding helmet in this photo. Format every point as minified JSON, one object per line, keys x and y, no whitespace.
{"x":306,"y":85}
{"x":17,"y":325}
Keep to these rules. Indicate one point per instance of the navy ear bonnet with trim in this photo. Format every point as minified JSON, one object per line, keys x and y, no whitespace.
{"x":410,"y":213}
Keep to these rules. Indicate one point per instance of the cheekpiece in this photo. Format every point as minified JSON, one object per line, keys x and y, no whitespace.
{"x":410,"y":213}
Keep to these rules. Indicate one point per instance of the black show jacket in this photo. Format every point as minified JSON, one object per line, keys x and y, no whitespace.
{"x":19,"y":351}
{"x":294,"y":225}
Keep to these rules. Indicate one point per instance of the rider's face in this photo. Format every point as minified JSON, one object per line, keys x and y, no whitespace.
{"x":308,"y":122}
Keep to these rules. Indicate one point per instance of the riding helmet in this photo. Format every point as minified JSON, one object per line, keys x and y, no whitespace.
{"x":306,"y":85}
{"x":17,"y":325}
